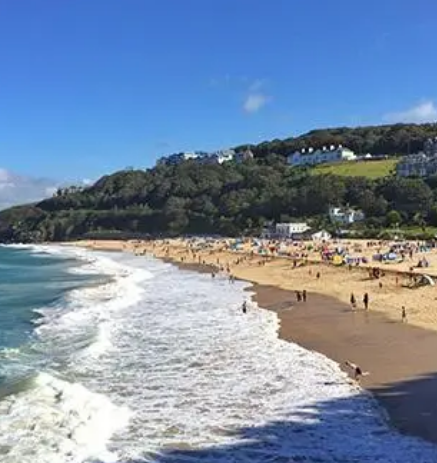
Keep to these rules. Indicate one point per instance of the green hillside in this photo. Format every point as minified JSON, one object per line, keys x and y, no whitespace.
{"x":235,"y":199}
{"x":368,"y":169}
{"x":230,"y":199}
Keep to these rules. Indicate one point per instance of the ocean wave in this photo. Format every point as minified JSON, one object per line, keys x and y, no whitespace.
{"x":48,"y":420}
{"x":77,"y":326}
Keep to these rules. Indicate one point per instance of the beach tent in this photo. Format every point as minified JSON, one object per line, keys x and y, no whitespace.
{"x":337,"y":260}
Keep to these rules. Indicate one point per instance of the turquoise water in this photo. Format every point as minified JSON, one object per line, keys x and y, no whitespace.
{"x":31,"y":281}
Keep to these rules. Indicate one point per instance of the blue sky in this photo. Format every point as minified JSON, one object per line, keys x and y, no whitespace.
{"x":91,"y":86}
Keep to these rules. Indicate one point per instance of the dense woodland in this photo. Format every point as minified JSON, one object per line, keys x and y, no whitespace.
{"x":234,"y":199}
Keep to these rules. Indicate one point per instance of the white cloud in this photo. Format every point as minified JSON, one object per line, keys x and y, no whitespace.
{"x":220,"y":81}
{"x":254,"y":102}
{"x":256,"y":85}
{"x":423,"y":112}
{"x":17,"y":189}
{"x":50,"y":191}
{"x":256,"y":97}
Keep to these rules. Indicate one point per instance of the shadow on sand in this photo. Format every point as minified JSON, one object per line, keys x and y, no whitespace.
{"x":344,"y":430}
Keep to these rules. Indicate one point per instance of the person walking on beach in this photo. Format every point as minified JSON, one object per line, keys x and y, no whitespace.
{"x":304,"y":295}
{"x":358,"y":373}
{"x":298,"y":296}
{"x":353,"y":301}
{"x":366,"y":301}
{"x":404,"y":315}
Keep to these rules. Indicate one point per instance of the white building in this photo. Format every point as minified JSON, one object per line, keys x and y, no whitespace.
{"x":243,"y":156}
{"x":313,"y":157}
{"x":321,"y":235}
{"x":217,"y":157}
{"x":177,"y":158}
{"x":430,"y":147}
{"x":222,"y":156}
{"x":422,"y":164}
{"x":345,"y":216}
{"x":287,"y":230}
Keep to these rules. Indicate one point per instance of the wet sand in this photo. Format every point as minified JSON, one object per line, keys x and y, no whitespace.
{"x":401,"y":359}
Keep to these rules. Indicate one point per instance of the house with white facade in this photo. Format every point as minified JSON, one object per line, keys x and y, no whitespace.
{"x":243,"y":156}
{"x":415,"y":165}
{"x":222,"y":156}
{"x":287,"y":230}
{"x":430,"y":147}
{"x":345,"y":216}
{"x":217,"y":157}
{"x":422,"y":164}
{"x":325,"y":155}
{"x":177,"y":158}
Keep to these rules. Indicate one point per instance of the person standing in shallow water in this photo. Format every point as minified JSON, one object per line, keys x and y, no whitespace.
{"x":353,"y":301}
{"x":404,"y":315}
{"x":244,"y":307}
{"x":304,"y":295}
{"x":366,"y":301}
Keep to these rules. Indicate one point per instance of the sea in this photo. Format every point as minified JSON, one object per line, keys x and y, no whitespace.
{"x":110,"y":357}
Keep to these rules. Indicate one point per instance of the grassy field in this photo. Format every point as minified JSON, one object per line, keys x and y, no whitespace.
{"x":369,"y":169}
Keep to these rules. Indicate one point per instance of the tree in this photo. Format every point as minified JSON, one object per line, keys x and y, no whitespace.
{"x":393,"y":218}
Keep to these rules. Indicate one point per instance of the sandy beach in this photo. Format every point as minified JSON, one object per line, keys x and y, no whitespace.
{"x":387,"y":294}
{"x":399,"y":356}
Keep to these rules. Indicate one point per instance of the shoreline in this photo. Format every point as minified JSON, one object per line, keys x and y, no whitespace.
{"x":400,"y":357}
{"x":360,"y":337}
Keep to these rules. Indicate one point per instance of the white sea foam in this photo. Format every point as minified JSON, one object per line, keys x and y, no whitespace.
{"x":75,"y":423}
{"x":198,"y":374}
{"x":53,"y":421}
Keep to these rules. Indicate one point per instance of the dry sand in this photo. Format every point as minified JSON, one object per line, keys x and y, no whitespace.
{"x":387,"y":295}
{"x":400,"y":357}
